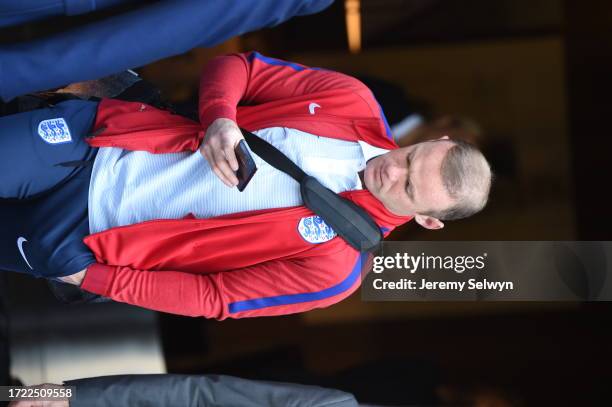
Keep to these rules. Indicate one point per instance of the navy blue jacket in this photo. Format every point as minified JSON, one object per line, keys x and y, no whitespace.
{"x":129,"y":40}
{"x":13,"y":12}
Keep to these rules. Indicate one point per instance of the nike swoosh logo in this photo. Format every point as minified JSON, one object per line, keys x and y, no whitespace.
{"x":312,"y":107}
{"x":20,"y":242}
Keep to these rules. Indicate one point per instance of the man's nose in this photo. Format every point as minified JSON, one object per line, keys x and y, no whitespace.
{"x":396,"y":172}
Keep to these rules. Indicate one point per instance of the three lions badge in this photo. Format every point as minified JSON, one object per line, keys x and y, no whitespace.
{"x":54,"y":131}
{"x":314,"y":230}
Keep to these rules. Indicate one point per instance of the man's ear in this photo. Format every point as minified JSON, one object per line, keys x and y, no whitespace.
{"x":428,"y":222}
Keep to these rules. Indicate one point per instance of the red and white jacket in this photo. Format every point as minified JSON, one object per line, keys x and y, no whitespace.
{"x":250,"y":263}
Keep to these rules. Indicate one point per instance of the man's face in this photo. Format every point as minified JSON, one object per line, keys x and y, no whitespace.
{"x":408,"y":180}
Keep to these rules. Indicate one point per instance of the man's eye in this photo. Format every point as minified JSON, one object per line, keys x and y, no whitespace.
{"x":408,"y":189}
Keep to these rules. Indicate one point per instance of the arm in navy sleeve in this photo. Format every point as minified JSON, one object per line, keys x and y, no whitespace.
{"x":136,"y":38}
{"x":192,"y":390}
{"x":23,"y":11}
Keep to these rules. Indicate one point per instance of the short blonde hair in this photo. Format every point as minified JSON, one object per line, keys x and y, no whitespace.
{"x":467,"y":177}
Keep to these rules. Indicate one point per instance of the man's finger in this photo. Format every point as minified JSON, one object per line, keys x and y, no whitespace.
{"x":222,"y":169}
{"x":220,"y":162}
{"x":208,"y":155}
{"x":230,"y":154}
{"x":213,"y":162}
{"x":219,"y":174}
{"x":227,"y":171}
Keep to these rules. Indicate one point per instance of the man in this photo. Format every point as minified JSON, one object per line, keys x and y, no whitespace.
{"x":167,"y":235}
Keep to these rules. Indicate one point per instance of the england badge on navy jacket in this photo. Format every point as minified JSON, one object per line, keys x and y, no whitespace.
{"x":54,"y":131}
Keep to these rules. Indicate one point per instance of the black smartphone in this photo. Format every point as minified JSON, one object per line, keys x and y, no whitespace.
{"x":246,"y":165}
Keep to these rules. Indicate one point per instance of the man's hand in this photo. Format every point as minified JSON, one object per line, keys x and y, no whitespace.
{"x":222,"y":136}
{"x":36,"y":403}
{"x":40,"y":403}
{"x":76,"y":278}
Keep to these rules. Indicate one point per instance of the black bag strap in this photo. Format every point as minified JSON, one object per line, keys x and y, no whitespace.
{"x":348,"y":220}
{"x":273,"y":156}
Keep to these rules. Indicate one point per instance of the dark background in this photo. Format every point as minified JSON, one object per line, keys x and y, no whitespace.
{"x":536,"y":76}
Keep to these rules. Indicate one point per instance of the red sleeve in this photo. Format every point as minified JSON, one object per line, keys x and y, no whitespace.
{"x":273,"y":288}
{"x":252,"y":78}
{"x":222,"y":86}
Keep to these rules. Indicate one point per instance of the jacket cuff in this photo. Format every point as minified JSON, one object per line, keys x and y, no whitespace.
{"x":97,"y":278}
{"x":215,"y":112}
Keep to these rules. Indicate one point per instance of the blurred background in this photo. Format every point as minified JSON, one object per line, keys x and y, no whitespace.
{"x":528,"y":81}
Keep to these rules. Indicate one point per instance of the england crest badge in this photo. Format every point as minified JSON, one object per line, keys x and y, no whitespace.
{"x":314,"y":230}
{"x":54,"y":131}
